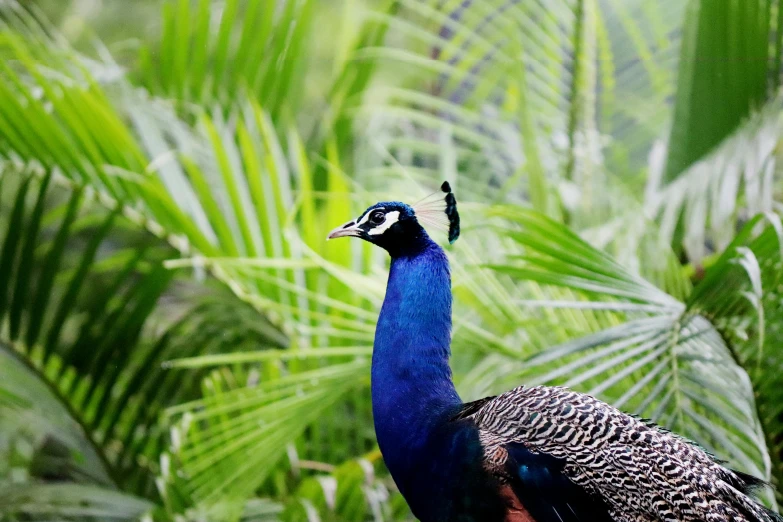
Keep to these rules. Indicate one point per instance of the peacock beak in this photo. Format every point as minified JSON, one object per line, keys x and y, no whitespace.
{"x":348,"y":229}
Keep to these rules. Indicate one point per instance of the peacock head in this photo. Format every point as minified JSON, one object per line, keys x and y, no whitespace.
{"x":397,"y":227}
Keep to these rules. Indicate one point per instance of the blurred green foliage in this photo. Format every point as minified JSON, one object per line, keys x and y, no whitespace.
{"x":179,"y":342}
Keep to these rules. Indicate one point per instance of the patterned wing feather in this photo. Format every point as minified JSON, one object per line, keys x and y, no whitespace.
{"x":641,"y":472}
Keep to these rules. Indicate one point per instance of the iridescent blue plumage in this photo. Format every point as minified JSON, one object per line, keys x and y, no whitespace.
{"x":531,"y":454}
{"x":437,"y":464}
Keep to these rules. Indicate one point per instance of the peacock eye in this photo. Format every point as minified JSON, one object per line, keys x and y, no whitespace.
{"x":377,"y":217}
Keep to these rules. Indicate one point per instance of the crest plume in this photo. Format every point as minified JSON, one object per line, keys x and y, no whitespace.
{"x":440,"y":212}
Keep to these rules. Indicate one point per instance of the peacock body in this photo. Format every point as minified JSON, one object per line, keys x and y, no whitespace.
{"x":532,"y":454}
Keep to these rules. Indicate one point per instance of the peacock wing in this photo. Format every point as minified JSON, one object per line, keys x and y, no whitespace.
{"x":570,"y":457}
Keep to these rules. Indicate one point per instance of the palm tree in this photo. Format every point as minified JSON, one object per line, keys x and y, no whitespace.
{"x":178,"y":342}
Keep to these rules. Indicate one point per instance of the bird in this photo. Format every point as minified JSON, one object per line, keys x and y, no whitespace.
{"x":531,"y":454}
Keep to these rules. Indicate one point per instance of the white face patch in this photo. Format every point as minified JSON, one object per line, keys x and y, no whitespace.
{"x":366,"y":217}
{"x":391,"y":218}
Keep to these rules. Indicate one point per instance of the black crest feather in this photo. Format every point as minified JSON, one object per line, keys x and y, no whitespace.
{"x":451,"y":212}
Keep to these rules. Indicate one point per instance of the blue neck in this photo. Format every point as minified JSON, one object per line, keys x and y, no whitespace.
{"x":412,"y":390}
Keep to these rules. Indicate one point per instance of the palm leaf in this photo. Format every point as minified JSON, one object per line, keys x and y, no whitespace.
{"x":32,"y":413}
{"x":714,"y":195}
{"x":516,"y":90}
{"x":231,"y":194}
{"x":232,"y":438}
{"x":243,"y":48}
{"x":667,"y":361}
{"x":51,"y":315}
{"x":740,"y":293}
{"x":78,"y":339}
{"x":70,"y":502}
{"x":716,"y":67}
{"x":351,"y":491}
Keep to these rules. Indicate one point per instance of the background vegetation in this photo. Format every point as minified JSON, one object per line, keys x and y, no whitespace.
{"x":179,"y":342}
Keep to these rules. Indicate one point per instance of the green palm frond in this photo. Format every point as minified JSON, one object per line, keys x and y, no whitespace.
{"x":639,"y":51}
{"x":723,"y":76}
{"x":50,"y":312}
{"x":735,"y":181}
{"x":741,"y":295}
{"x":70,"y":502}
{"x":229,"y":441}
{"x":77,"y":130}
{"x":34,"y":419}
{"x":248,"y":191}
{"x":667,"y":361}
{"x":44,"y":445}
{"x":224,"y":191}
{"x":211,"y":55}
{"x":81,"y":294}
{"x":351,"y":491}
{"x":525,"y":96}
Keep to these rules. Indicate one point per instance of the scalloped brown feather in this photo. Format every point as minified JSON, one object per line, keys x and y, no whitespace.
{"x":642,"y":472}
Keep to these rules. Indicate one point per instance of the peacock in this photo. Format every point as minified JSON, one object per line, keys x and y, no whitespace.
{"x":532,"y":454}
